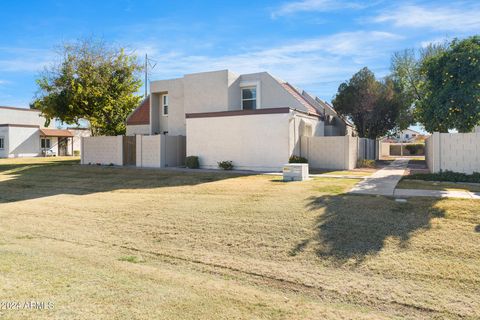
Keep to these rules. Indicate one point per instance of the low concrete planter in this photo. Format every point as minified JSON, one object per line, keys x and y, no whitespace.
{"x":295,"y":172}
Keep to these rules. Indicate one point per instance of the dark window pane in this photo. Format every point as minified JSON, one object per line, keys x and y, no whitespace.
{"x":165,"y":109}
{"x":249,"y":104}
{"x":43,"y":143}
{"x":250,"y":93}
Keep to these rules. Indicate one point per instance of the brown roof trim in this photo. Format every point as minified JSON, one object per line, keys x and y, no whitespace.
{"x":19,"y":125}
{"x":19,"y":109}
{"x":234,"y":113}
{"x":55,"y":133}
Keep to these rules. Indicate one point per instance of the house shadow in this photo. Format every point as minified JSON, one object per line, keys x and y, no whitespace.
{"x":349,"y":228}
{"x":20,"y":182}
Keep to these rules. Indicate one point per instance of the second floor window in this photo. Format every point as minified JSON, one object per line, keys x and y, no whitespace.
{"x":249,"y":98}
{"x":165,"y":105}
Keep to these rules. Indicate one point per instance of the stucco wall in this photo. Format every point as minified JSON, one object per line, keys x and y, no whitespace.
{"x":138,"y":129}
{"x":253,"y":142}
{"x":4,"y":135}
{"x":148,"y":151}
{"x":19,"y":116}
{"x":206,"y":91}
{"x":104,"y":150}
{"x":330,"y":152}
{"x":458,"y":152}
{"x":25,"y":142}
{"x":272,"y":94}
{"x":174,"y":123}
{"x":303,"y":125}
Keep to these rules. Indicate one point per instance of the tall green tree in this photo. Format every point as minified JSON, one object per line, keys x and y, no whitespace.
{"x":452,"y":88}
{"x":372,"y":105}
{"x":409,"y":80}
{"x":91,"y":81}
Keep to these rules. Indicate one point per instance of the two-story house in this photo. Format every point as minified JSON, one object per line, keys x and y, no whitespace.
{"x":254,"y":120}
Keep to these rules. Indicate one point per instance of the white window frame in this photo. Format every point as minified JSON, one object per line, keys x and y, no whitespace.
{"x":2,"y":144}
{"x":164,"y":104}
{"x":249,"y":85}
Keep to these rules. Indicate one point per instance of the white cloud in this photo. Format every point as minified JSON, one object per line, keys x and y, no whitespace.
{"x":325,"y":60}
{"x":24,"y":59}
{"x":447,"y":18}
{"x":317,"y":6}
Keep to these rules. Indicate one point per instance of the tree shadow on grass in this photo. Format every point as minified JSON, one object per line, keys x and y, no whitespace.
{"x":20,"y":182}
{"x":353,"y":227}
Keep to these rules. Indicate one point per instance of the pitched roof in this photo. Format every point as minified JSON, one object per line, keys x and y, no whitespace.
{"x":294,"y":92}
{"x":141,"y":115}
{"x":55,"y":133}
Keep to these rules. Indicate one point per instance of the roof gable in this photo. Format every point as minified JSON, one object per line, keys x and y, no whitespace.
{"x":293,"y":91}
{"x":141,"y":115}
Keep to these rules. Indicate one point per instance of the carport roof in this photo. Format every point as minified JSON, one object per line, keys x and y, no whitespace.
{"x":55,"y":133}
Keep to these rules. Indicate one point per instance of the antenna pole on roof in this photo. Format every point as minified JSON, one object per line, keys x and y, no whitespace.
{"x":146,"y":75}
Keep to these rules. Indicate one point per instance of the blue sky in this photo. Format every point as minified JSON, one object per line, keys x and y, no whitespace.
{"x":314,"y":44}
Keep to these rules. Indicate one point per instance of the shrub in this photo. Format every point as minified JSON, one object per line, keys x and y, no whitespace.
{"x":76,"y":153}
{"x":449,"y":176}
{"x":225,"y":165}
{"x":414,"y":149}
{"x":192,"y":162}
{"x":297,"y":159}
{"x":365,"y":163}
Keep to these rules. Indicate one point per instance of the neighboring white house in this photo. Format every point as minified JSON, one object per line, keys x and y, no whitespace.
{"x":405,"y":136}
{"x":477,"y":129}
{"x":254,"y":120}
{"x":23,"y":134}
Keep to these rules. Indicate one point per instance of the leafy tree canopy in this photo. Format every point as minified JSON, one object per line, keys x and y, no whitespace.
{"x":91,"y":81}
{"x":452,"y":88}
{"x":372,"y":105}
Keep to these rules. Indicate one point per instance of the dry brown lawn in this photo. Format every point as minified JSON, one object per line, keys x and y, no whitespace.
{"x":116,"y":243}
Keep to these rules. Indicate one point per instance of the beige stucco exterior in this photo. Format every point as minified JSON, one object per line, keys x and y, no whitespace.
{"x":254,"y":142}
{"x":219,"y":129}
{"x":140,"y":129}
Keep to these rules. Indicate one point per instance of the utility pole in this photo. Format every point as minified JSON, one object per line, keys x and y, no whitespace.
{"x":148,"y":64}
{"x":146,"y":75}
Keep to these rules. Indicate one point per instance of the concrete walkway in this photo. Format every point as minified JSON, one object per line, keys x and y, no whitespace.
{"x":384,"y":181}
{"x":406,"y":193}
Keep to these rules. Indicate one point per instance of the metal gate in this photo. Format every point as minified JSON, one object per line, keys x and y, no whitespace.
{"x":129,"y":150}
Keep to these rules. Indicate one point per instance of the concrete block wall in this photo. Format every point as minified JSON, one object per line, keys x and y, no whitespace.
{"x":104,"y":150}
{"x":458,"y":152}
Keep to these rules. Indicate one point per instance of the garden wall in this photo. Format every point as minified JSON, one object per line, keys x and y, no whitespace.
{"x":103,"y":150}
{"x":338,"y":153}
{"x":458,"y":152}
{"x":155,"y":151}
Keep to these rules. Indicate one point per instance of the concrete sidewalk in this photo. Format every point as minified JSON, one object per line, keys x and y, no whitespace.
{"x":384,"y":181}
{"x":406,"y":193}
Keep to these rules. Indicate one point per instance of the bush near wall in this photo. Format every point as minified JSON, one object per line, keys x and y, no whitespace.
{"x":365,"y":163}
{"x":297,"y":159}
{"x":192,"y":162}
{"x":225,"y":165}
{"x":449,"y":176}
